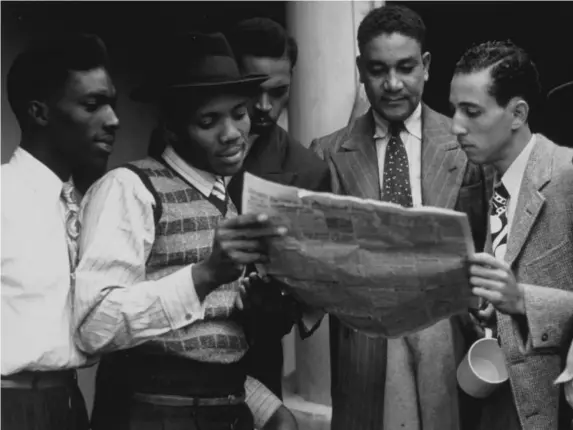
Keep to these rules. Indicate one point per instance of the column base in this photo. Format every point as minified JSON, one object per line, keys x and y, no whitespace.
{"x":309,"y":415}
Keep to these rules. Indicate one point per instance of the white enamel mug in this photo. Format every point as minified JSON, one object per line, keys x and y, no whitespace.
{"x":483,"y":368}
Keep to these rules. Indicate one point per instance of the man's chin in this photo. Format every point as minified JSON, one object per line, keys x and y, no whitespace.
{"x":398,"y":113}
{"x":228,"y":169}
{"x":261,"y":128}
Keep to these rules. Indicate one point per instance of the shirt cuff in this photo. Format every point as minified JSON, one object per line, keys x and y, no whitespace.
{"x":179,"y":298}
{"x":261,"y":401}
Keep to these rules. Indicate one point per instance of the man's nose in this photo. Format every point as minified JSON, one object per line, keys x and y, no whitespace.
{"x":393,"y":82}
{"x":111,"y":119}
{"x":457,"y":127}
{"x":230,"y":132}
{"x":263,"y":103}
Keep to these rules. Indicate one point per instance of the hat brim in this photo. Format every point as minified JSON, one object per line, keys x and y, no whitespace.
{"x":150,"y":93}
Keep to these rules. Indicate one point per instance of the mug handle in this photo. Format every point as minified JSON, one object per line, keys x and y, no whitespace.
{"x":488,"y":333}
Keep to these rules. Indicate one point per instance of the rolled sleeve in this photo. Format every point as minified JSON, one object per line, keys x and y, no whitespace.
{"x":261,"y":401}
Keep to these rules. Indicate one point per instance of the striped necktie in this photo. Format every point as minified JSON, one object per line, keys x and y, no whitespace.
{"x":219,"y":190}
{"x":72,"y":222}
{"x":396,"y":184}
{"x":498,"y":220}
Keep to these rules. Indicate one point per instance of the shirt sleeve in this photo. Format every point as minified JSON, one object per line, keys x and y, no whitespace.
{"x":261,"y":401}
{"x":116,"y":306}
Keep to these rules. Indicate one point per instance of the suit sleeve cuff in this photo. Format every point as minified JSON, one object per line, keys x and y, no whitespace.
{"x":548,"y":312}
{"x":261,"y":401}
{"x":180,"y":301}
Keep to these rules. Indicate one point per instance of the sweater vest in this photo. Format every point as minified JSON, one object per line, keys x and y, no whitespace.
{"x":185,"y":222}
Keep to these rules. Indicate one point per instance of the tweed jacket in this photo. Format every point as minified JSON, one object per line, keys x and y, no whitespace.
{"x":540,"y":252}
{"x":418,"y":389}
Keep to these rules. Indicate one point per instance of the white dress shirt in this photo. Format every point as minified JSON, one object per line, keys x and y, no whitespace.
{"x":116,"y":306}
{"x":512,"y":179}
{"x":37,"y":331}
{"x":412,"y":138}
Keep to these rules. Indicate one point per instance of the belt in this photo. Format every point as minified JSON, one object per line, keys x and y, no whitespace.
{"x":28,"y":380}
{"x":170,"y":400}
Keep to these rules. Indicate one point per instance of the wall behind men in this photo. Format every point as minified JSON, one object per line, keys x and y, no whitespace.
{"x":133,"y":32}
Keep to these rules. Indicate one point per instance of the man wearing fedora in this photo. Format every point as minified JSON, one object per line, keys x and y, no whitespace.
{"x":162,"y":252}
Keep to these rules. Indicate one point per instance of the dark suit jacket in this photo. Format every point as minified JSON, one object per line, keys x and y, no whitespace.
{"x":540,"y":252}
{"x":427,"y":378}
{"x":277,"y":157}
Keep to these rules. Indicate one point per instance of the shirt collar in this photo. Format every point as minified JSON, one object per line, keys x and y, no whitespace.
{"x":43,"y":180}
{"x":200,"y":179}
{"x":413,"y":124}
{"x":512,"y":177}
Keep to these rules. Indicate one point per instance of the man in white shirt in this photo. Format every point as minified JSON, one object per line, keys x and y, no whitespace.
{"x":527,"y":274}
{"x":162,"y":251}
{"x":63,"y":99}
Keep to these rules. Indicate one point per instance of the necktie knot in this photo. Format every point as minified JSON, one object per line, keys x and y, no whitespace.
{"x":396,"y":128}
{"x":219,"y":190}
{"x":72,"y":222}
{"x":69,"y":195}
{"x":500,"y":189}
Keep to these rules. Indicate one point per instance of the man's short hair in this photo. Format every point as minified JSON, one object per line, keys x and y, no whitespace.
{"x":262,"y":37}
{"x":391,"y":19}
{"x":513,"y":73}
{"x":43,"y":69}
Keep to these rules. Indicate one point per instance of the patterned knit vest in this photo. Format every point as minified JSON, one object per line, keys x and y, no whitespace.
{"x":185,"y":223}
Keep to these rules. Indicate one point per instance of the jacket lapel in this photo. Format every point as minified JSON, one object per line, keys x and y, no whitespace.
{"x":530,"y":200}
{"x":443,"y":162}
{"x":357,"y":162}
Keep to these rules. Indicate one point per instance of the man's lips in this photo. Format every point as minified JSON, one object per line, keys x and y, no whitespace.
{"x":393,"y":100}
{"x":104,"y":146}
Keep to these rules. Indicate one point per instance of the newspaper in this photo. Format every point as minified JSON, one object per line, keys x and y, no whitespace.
{"x":379,"y":267}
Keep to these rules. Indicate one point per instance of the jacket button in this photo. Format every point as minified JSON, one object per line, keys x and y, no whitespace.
{"x":544,"y":337}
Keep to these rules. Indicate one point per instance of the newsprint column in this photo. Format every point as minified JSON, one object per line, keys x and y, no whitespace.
{"x":322,"y":96}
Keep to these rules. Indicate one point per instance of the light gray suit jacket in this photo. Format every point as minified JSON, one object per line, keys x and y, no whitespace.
{"x":540,"y":252}
{"x":427,"y":394}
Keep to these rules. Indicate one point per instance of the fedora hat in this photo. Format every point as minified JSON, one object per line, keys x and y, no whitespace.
{"x":196,"y":61}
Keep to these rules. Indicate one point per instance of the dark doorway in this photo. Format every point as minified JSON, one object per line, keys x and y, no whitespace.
{"x":544,"y":29}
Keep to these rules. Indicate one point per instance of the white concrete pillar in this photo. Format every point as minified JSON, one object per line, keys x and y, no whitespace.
{"x":322,"y":96}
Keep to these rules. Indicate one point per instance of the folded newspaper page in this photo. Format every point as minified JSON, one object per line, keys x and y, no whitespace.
{"x":380,"y":268}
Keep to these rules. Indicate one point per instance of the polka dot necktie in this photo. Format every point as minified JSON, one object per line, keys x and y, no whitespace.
{"x":396,"y":183}
{"x":72,"y":222}
{"x":498,"y":220}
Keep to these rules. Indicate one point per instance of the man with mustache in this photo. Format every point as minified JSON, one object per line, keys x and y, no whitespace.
{"x":162,"y":252}
{"x":403,"y":152}
{"x":64,"y":100}
{"x":262,"y":46}
{"x":527,"y":273}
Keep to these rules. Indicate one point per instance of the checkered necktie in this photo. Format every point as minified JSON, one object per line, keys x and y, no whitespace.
{"x":396,"y":183}
{"x":72,"y":222}
{"x":498,"y":220}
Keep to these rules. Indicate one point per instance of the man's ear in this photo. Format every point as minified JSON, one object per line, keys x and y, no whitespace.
{"x":359,"y":64}
{"x":426,"y":60}
{"x":39,"y":112}
{"x":520,"y":111}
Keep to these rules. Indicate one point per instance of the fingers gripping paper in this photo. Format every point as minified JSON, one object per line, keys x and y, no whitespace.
{"x":380,"y":268}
